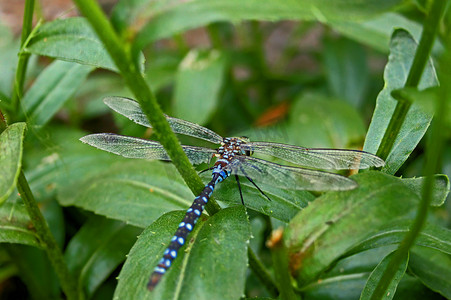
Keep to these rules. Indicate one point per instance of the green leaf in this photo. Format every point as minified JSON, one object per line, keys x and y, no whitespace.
{"x":402,"y":51}
{"x":211,"y":266}
{"x":58,"y":159}
{"x":164,"y":19}
{"x":35,"y":270}
{"x":134,"y":191}
{"x":433,"y":268}
{"x":11,"y":146}
{"x":318,"y":121}
{"x":198,"y":83}
{"x":54,"y":86}
{"x":92,"y":259}
{"x":138,"y":191}
{"x":377,"y":274}
{"x":337,"y":221}
{"x":441,"y":188}
{"x":162,"y":70}
{"x":8,"y":60}
{"x":284,"y":204}
{"x":70,"y":39}
{"x":376,"y":32}
{"x":346,"y":70}
{"x":431,"y":236}
{"x":16,"y":226}
{"x":347,"y":279}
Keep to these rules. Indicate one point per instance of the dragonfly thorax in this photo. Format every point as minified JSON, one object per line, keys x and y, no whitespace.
{"x":229,"y":148}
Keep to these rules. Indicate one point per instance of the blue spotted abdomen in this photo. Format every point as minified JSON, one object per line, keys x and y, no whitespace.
{"x":185,"y":227}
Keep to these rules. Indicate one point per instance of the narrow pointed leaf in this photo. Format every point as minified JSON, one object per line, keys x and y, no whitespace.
{"x":92,"y":259}
{"x":160,"y":20}
{"x":402,"y":51}
{"x":376,"y":32}
{"x":211,"y":266}
{"x":377,"y":274}
{"x":11,"y":147}
{"x":347,"y":279}
{"x":431,"y":236}
{"x":54,"y":86}
{"x":433,"y":268}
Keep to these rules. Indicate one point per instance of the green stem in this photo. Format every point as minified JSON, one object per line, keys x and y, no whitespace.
{"x":23,"y":57}
{"x":432,"y":162}
{"x":260,"y":271}
{"x":68,"y":284}
{"x":130,"y":71}
{"x":279,"y":255}
{"x":430,"y":28}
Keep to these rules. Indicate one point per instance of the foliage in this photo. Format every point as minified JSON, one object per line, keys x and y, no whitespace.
{"x":254,"y":76}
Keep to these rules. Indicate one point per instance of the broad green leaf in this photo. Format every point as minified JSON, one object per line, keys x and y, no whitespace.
{"x":11,"y":140}
{"x":198,"y":82}
{"x":337,"y":221}
{"x":431,"y":236}
{"x":16,"y":226}
{"x":376,"y":32}
{"x":73,"y":40}
{"x":58,"y":159}
{"x":164,"y":19}
{"x":54,"y":86}
{"x":92,"y":259}
{"x":134,"y":191}
{"x":402,"y":51}
{"x":376,"y":275}
{"x":347,"y":279}
{"x":318,"y":121}
{"x":433,"y":268}
{"x":284,"y":204}
{"x":139,"y":191}
{"x":211,"y":266}
{"x":346,"y":70}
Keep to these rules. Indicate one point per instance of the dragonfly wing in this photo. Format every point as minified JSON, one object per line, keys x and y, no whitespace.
{"x":131,"y":109}
{"x":336,"y":159}
{"x":287,"y":177}
{"x":131,"y":147}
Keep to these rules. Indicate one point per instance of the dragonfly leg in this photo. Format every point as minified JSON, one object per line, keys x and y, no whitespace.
{"x":263,"y":193}
{"x":239,"y":188}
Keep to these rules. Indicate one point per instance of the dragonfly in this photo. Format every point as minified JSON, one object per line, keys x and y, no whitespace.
{"x":233,"y":157}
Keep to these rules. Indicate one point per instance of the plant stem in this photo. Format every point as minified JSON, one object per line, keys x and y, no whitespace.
{"x":433,"y":152}
{"x":279,"y":255}
{"x":260,"y":271}
{"x":129,"y":68}
{"x":23,"y":58}
{"x":416,"y":70}
{"x":68,"y":284}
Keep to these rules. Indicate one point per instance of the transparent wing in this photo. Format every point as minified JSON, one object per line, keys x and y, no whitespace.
{"x":131,"y":109}
{"x":291,"y":178}
{"x":131,"y":147}
{"x":336,"y":159}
